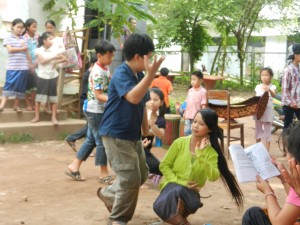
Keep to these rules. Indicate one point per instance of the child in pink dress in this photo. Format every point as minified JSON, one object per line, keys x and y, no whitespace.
{"x":263,"y":126}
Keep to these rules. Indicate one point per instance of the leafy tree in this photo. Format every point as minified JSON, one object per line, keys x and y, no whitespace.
{"x":110,"y":13}
{"x":241,"y":18}
{"x":179,"y":22}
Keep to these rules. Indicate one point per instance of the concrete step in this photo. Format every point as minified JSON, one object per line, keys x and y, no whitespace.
{"x":43,"y":130}
{"x":9,"y":115}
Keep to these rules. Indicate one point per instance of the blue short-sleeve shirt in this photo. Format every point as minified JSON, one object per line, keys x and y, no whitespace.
{"x":122,"y":119}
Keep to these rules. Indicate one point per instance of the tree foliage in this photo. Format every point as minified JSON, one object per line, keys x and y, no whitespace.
{"x":179,"y":22}
{"x":112,"y":13}
{"x":241,"y":18}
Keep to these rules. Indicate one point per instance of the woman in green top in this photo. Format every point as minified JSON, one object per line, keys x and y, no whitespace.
{"x":189,"y":162}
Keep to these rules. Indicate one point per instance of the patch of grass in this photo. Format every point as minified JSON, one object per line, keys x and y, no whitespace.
{"x":62,"y":135}
{"x":2,"y":138}
{"x":16,"y":138}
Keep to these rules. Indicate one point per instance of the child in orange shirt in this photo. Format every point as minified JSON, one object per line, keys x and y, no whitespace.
{"x":164,"y":85}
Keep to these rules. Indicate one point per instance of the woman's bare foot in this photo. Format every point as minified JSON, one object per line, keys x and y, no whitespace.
{"x":35,"y":119}
{"x":54,"y":121}
{"x":28,"y":108}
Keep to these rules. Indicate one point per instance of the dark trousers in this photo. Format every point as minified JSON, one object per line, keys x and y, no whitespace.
{"x":165,"y":206}
{"x":152,"y":163}
{"x":289,"y":115}
{"x":255,"y":216}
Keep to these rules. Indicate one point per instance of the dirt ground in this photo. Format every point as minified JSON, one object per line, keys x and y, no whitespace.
{"x":35,"y":191}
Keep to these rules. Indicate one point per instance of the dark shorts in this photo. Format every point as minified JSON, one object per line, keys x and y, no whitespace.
{"x":46,"y":90}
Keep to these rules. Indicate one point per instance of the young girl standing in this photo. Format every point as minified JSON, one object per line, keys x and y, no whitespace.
{"x":32,"y":42}
{"x":17,"y":66}
{"x":188,"y":164}
{"x":47,"y":76}
{"x":155,"y":110}
{"x":263,"y":126}
{"x":196,"y":100}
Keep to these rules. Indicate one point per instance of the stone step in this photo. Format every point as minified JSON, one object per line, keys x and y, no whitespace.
{"x":43,"y":130}
{"x":9,"y":115}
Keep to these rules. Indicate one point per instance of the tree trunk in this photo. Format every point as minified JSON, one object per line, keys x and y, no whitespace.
{"x":192,"y":61}
{"x":223,"y":60}
{"x":241,"y":71}
{"x":215,"y":58}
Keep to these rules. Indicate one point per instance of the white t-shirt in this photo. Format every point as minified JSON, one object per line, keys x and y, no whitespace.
{"x":46,"y":71}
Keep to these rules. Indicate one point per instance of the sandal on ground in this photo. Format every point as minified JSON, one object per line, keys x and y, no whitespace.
{"x":75,"y":175}
{"x":72,"y":145}
{"x":18,"y":109}
{"x":106,"y":202}
{"x":106,"y":180}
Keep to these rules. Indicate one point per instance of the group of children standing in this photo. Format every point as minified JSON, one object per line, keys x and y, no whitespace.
{"x":31,"y":71}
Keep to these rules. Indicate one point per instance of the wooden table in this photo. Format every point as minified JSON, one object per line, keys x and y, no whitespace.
{"x":210,"y":81}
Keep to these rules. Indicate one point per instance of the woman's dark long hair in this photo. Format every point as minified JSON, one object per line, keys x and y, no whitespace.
{"x":210,"y":118}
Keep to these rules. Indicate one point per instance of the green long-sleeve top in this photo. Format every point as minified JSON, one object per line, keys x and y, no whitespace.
{"x":179,"y":166}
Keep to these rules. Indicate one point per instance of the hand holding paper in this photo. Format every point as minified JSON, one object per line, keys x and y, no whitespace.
{"x":252,"y":161}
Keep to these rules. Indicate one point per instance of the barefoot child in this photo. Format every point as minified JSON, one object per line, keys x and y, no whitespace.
{"x":47,"y":76}
{"x":32,"y":42}
{"x":17,"y":66}
{"x":93,"y":108}
{"x":263,"y":126}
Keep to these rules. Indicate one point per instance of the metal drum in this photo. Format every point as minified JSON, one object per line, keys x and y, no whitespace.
{"x":172,"y":129}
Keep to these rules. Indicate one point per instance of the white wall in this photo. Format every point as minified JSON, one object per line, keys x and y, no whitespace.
{"x":275,"y":57}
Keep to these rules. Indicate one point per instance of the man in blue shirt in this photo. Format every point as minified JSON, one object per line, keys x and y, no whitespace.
{"x":123,"y":118}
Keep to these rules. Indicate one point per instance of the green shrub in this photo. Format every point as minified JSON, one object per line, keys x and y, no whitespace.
{"x":16,"y":138}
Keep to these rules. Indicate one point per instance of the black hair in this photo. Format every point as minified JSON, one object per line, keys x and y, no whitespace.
{"x":268,"y":69}
{"x":51,"y":22}
{"x":210,"y":118}
{"x":164,"y":71}
{"x":17,"y":21}
{"x":162,"y":108}
{"x":43,"y":37}
{"x":292,"y":135}
{"x":140,"y":44}
{"x":104,"y":46}
{"x":93,"y":58}
{"x":29,"y":22}
{"x":198,"y":74}
{"x":130,"y":19}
